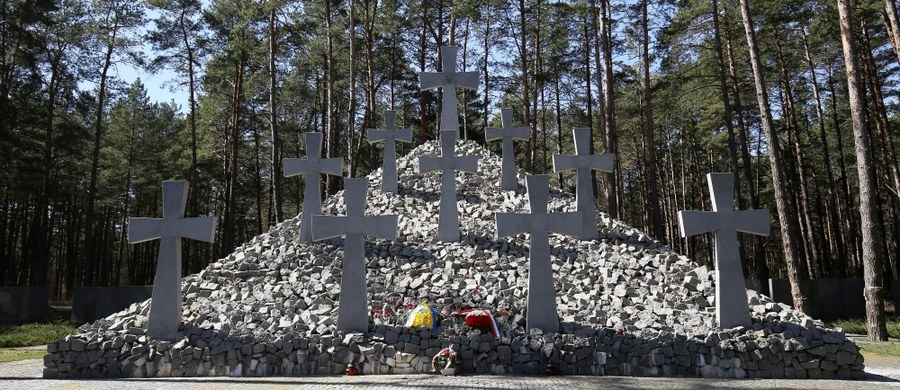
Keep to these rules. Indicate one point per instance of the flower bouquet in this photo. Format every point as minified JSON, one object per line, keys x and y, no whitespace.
{"x":446,"y":361}
{"x":424,"y":316}
{"x":481,"y":319}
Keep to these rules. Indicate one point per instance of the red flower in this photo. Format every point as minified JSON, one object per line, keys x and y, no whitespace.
{"x":479,"y":321}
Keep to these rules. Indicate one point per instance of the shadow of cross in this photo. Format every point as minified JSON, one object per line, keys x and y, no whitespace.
{"x":311,"y":166}
{"x":165,"y":308}
{"x":353,"y":315}
{"x":731,"y":292}
{"x":447,"y":80}
{"x":541,"y":307}
{"x":583,"y":162}
{"x":507,"y":134}
{"x":448,"y":163}
{"x":390,"y":135}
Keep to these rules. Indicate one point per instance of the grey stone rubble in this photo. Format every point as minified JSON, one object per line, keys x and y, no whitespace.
{"x":628,"y":305}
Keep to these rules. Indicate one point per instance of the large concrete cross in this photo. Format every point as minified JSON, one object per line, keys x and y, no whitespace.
{"x":583,"y":162}
{"x":311,"y":166}
{"x":390,"y":135}
{"x":731,"y":292}
{"x":353,"y":315}
{"x":447,"y":80}
{"x":541,"y":307}
{"x":507,"y":133}
{"x":448,"y":163}
{"x":165,"y":308}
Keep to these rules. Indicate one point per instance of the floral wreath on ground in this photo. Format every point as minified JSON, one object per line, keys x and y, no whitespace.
{"x":447,"y":358}
{"x":481,"y":319}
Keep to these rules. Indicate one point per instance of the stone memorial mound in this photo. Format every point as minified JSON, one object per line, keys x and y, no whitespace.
{"x":628,"y":305}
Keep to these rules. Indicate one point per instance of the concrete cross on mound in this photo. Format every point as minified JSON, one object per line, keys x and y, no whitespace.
{"x":507,"y":133}
{"x":448,"y":164}
{"x":312,"y":166}
{"x":353,"y":314}
{"x":541,"y":306}
{"x":583,"y":162}
{"x":447,"y":81}
{"x":390,"y":135}
{"x":165,"y":307}
{"x":731,"y":292}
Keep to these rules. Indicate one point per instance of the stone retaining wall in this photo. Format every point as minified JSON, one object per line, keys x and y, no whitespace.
{"x":781,"y":350}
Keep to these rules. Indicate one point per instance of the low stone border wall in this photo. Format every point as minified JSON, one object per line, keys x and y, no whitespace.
{"x":778,"y":350}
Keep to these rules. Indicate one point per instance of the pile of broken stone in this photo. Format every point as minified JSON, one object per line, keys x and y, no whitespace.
{"x":628,"y":305}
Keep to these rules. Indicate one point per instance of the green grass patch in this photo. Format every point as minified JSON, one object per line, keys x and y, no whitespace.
{"x":886,"y":348}
{"x":34,"y":334}
{"x":16,"y":354}
{"x":858,"y":326}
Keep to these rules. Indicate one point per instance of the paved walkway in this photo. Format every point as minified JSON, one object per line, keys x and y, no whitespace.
{"x":26,"y":374}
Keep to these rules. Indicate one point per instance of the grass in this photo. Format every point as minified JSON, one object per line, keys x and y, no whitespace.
{"x":869,"y":349}
{"x":16,"y":354}
{"x":858,"y":326}
{"x":15,"y":336}
{"x":887,"y":348}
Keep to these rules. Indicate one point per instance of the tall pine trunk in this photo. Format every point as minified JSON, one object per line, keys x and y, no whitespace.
{"x":229,"y":228}
{"x":193,"y":261}
{"x":526,"y":94}
{"x":760,"y":263}
{"x":90,"y":246}
{"x":331,"y":131}
{"x":802,"y":204}
{"x":835,"y":236}
{"x":612,"y":181}
{"x":352,"y":154}
{"x":849,"y":223}
{"x":786,"y":214}
{"x":868,"y":196}
{"x":653,"y":212}
{"x":889,"y":13}
{"x":277,"y":197}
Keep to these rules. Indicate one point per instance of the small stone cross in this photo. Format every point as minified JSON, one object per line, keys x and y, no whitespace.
{"x":448,"y":163}
{"x":583,"y":162}
{"x":165,"y":307}
{"x":312,"y":166}
{"x":447,"y":80}
{"x":541,"y":307}
{"x":731,"y":291}
{"x":353,"y":315}
{"x":507,"y":133}
{"x":390,"y":135}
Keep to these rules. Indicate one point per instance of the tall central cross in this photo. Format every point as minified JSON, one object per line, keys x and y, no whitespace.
{"x":448,"y":163}
{"x":583,"y":162}
{"x":447,"y":80}
{"x":731,"y":292}
{"x":165,"y":308}
{"x":312,"y":166}
{"x":507,"y":133}
{"x":390,"y":135}
{"x":353,"y":315}
{"x":541,"y":291}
